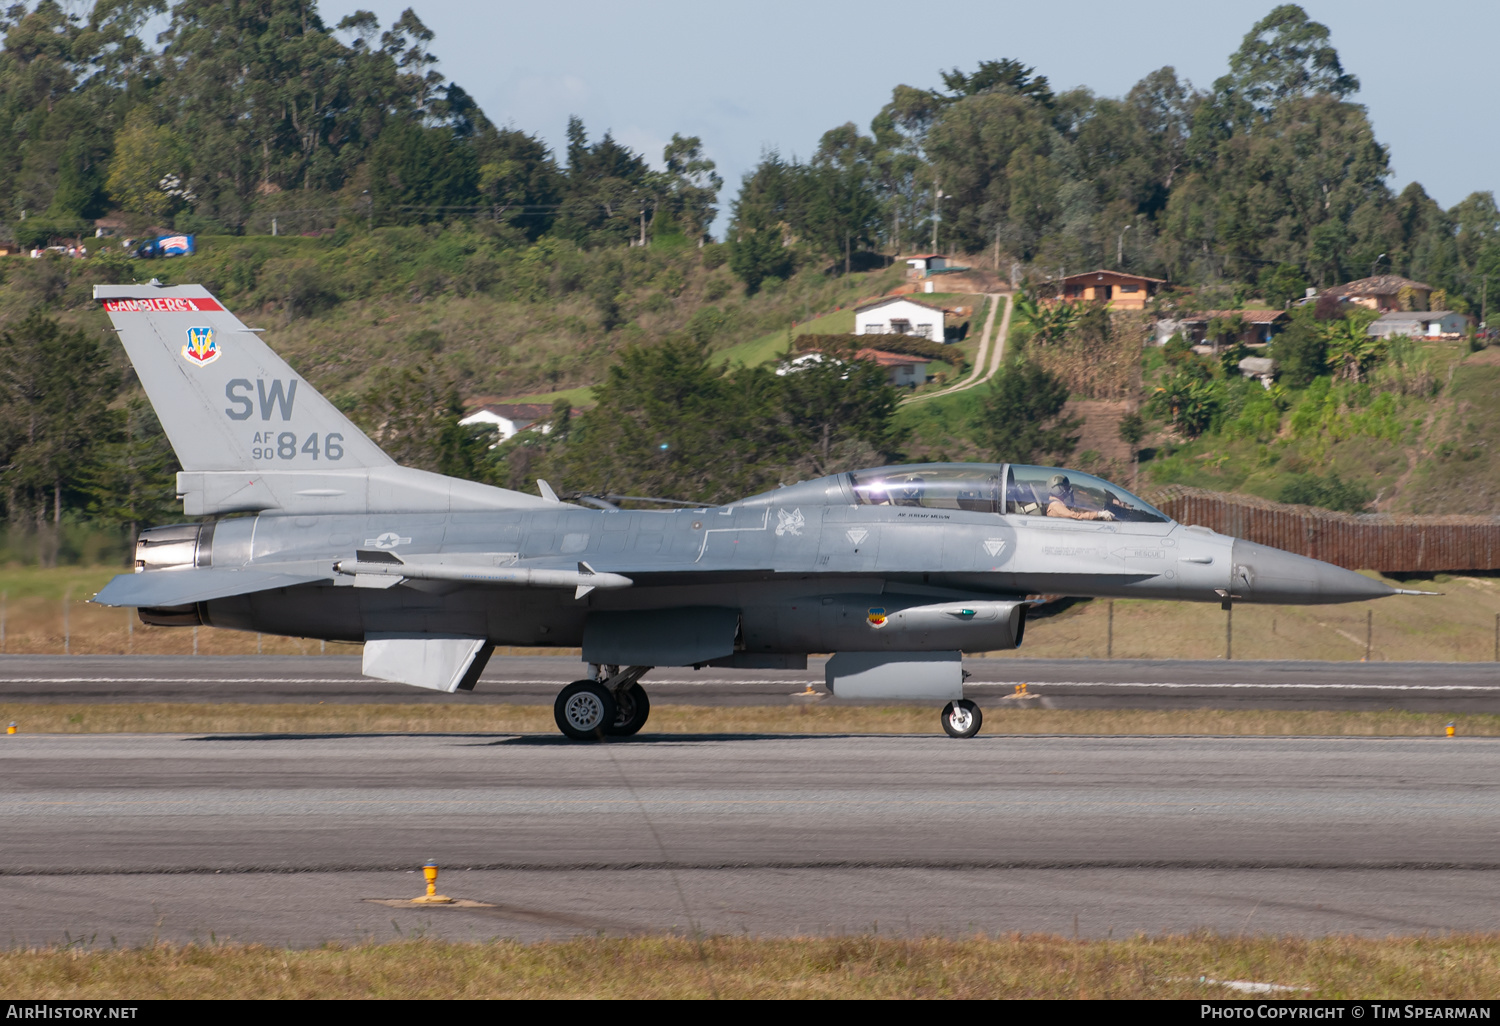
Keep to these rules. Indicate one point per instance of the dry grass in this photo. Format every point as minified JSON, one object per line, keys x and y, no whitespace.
{"x":1456,"y":626}
{"x":1099,"y":359}
{"x":233,"y":718}
{"x":1454,"y":967}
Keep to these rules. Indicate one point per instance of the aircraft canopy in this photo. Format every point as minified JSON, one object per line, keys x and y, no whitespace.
{"x":1026,"y":490}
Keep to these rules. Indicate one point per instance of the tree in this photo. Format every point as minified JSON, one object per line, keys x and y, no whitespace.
{"x":1286,"y":56}
{"x":692,"y":185}
{"x":1004,"y":74}
{"x":843,"y":213}
{"x":129,"y":475}
{"x":419,"y":174}
{"x":667,"y":422}
{"x":518,"y":178}
{"x":413,"y":414}
{"x":1187,"y":402}
{"x":839,"y":411}
{"x":608,"y":190}
{"x":1132,"y":431}
{"x":146,"y":156}
{"x":1301,"y":351}
{"x":993,"y":155}
{"x":1282,"y":283}
{"x":54,"y":385}
{"x":1352,"y":350}
{"x":1021,"y":420}
{"x":772,"y":199}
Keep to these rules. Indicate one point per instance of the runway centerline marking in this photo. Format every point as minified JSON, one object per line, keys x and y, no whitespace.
{"x":777,"y":683}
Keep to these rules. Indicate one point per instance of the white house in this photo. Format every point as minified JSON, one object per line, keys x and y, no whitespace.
{"x":899,"y":315}
{"x":900,"y":369}
{"x":922,"y":263}
{"x":1420,"y":323}
{"x":509,"y":418}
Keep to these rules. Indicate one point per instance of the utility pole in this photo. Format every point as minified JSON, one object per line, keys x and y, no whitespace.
{"x":937,"y":194}
{"x":1120,"y":247}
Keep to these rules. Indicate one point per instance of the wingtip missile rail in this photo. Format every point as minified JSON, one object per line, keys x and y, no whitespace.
{"x":380,"y":569}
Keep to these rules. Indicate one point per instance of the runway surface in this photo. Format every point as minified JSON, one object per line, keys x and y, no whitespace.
{"x":281,"y":839}
{"x":1060,"y":683}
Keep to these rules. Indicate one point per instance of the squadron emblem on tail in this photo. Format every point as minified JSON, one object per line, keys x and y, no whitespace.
{"x":202,"y":348}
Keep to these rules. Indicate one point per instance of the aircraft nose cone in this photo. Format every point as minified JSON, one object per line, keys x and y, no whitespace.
{"x":1264,"y":574}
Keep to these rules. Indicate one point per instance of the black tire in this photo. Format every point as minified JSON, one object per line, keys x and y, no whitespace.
{"x":632,"y":708}
{"x":584,"y":710}
{"x":962,"y":718}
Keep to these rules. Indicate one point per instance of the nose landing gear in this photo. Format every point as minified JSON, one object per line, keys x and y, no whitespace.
{"x":962,"y":718}
{"x":611,"y":704}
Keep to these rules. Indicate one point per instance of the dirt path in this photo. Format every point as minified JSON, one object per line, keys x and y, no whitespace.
{"x":987,"y":362}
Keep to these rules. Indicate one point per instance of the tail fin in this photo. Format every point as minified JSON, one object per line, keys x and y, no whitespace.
{"x":225,"y":400}
{"x":252,"y":435}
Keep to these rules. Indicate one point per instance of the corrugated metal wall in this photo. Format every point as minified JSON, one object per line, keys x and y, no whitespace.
{"x":1359,"y":541}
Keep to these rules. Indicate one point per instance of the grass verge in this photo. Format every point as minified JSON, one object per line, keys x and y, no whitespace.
{"x":1461,"y":966}
{"x":235,"y":718}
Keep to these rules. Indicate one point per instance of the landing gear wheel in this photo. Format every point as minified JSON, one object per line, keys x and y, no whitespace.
{"x":584,"y":710}
{"x":962,"y":718}
{"x":631,"y":709}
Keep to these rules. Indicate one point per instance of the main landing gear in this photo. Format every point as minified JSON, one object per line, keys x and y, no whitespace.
{"x":962,"y":718}
{"x":612,"y":704}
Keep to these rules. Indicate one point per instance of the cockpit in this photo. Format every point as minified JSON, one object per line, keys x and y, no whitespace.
{"x":1011,"y":489}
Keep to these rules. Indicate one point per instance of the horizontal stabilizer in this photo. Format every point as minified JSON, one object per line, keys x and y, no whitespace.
{"x":181,"y":587}
{"x":442,"y":663}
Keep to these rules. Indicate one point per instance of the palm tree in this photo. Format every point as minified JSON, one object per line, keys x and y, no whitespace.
{"x":1048,"y":323}
{"x":1188,"y":402}
{"x":1351,"y":347}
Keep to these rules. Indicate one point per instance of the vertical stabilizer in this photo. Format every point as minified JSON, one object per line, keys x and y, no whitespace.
{"x":250,"y":433}
{"x":225,"y":400}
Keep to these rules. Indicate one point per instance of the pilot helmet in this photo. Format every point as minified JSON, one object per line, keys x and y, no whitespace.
{"x":1059,"y":485}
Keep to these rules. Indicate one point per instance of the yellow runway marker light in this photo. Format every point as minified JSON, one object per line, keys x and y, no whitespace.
{"x":432,"y":897}
{"x":1451,"y":729}
{"x":11,"y":729}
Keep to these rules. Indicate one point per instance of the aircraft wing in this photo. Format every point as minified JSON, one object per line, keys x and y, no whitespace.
{"x":181,"y":587}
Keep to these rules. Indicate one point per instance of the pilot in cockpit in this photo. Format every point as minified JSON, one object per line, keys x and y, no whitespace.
{"x":1061,"y":502}
{"x":909,"y":493}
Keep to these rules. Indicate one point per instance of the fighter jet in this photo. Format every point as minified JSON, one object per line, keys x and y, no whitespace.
{"x":315,"y":532}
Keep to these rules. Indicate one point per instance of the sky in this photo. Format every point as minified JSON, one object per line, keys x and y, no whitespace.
{"x":777,"y":74}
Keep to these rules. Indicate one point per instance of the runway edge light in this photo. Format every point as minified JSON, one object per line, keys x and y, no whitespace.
{"x":432,"y":897}
{"x":1451,"y":728}
{"x":12,"y":728}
